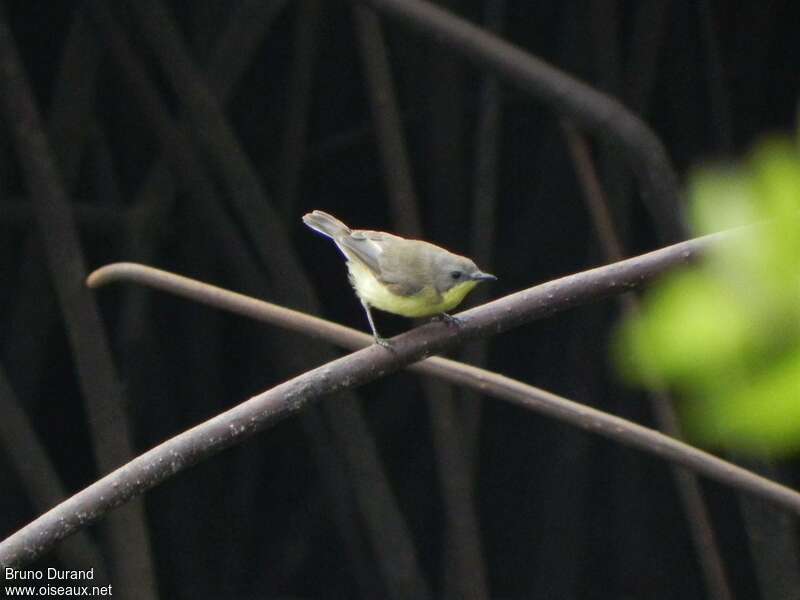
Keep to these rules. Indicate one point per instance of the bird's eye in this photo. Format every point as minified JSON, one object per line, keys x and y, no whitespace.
{"x":455,"y":274}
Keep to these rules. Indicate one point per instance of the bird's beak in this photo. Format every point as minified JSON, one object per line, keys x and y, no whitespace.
{"x":481,"y":276}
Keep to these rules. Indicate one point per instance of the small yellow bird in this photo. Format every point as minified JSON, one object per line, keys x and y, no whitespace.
{"x":410,"y":278}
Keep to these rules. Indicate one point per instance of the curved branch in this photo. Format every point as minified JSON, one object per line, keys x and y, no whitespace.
{"x":565,"y":94}
{"x":463,"y":562}
{"x":38,"y":476}
{"x":266,"y":409}
{"x":266,"y":247}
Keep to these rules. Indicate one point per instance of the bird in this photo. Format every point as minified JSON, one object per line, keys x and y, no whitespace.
{"x":406,"y":277}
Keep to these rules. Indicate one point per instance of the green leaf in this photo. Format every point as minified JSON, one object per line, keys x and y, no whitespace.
{"x":760,"y":417}
{"x":726,"y":332}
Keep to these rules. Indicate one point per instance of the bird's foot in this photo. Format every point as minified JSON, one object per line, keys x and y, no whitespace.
{"x":383,"y":342}
{"x":448,"y":319}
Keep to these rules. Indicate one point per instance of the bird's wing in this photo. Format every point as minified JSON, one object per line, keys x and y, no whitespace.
{"x":366,"y":247}
{"x":397,"y":268}
{"x":404,"y":288}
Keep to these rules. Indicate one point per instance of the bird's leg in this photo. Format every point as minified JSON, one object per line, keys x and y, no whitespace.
{"x":381,"y":341}
{"x":448,"y":319}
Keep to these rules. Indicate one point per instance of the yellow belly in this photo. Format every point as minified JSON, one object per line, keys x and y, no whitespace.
{"x":423,"y":304}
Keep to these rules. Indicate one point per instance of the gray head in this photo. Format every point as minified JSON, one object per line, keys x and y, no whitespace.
{"x":452,"y":270}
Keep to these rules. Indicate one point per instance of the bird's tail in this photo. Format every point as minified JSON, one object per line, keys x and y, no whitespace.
{"x":326,"y":224}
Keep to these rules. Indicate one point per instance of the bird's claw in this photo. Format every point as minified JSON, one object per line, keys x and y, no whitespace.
{"x":449,"y":319}
{"x":383,"y":342}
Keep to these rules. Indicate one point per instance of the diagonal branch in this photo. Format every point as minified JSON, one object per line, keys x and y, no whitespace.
{"x":464,"y":566}
{"x":403,"y":202}
{"x":300,"y":89}
{"x":268,"y":408}
{"x":488,"y":133}
{"x":39,"y":477}
{"x":265,"y":231}
{"x":661,"y":402}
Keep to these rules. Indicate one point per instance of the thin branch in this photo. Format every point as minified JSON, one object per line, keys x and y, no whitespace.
{"x":106,"y":220}
{"x":106,"y":181}
{"x":464,"y":565}
{"x":131,"y":561}
{"x":348,"y":500}
{"x":650,"y":27}
{"x":301,"y":83}
{"x":772,"y":543}
{"x":596,"y":111}
{"x":70,"y":117}
{"x":465,"y":571}
{"x":39,"y":477}
{"x":266,"y":235}
{"x":244,"y":32}
{"x":214,"y":135}
{"x":716,"y":86}
{"x":484,"y":222}
{"x":604,"y":47}
{"x":639,"y":76}
{"x":357,"y":135}
{"x":31,"y":319}
{"x":232,"y":53}
{"x":661,"y":402}
{"x":266,"y":409}
{"x":388,"y":126}
{"x":384,"y":522}
{"x":772,"y":540}
{"x":259,"y":217}
{"x":443,"y":88}
{"x":70,"y":113}
{"x":593,"y":195}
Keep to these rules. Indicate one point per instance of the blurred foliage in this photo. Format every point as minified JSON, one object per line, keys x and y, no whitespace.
{"x":725,"y":333}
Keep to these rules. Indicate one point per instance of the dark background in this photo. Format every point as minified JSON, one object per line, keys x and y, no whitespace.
{"x":403,"y":486}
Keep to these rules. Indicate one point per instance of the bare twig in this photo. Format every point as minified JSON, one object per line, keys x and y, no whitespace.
{"x":232,"y":53}
{"x":39,"y":477}
{"x":348,"y":500}
{"x":464,"y":566}
{"x":106,"y":181}
{"x":130,"y":547}
{"x":604,"y":38}
{"x":593,"y":195}
{"x":25,"y":340}
{"x":271,"y":243}
{"x":465,"y":575}
{"x":661,"y":402}
{"x":266,"y":409}
{"x":18,"y":212}
{"x":772,"y":540}
{"x":638,"y":80}
{"x":213,"y":133}
{"x":484,"y":217}
{"x":590,"y":108}
{"x":243,"y":33}
{"x":73,"y":98}
{"x":358,"y":135}
{"x":306,"y":42}
{"x":719,"y":102}
{"x":651,"y":22}
{"x":388,"y":126}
